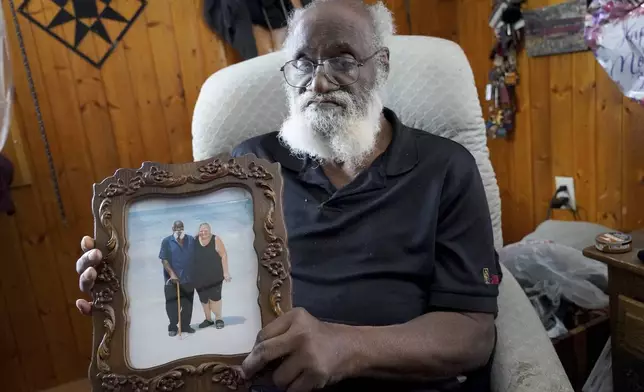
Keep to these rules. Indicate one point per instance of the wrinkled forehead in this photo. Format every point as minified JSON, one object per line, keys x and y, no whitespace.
{"x":331,"y":31}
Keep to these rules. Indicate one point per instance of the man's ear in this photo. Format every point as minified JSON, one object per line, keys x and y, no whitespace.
{"x":383,"y":58}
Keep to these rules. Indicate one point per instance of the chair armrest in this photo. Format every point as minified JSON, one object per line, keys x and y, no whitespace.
{"x":525,"y":359}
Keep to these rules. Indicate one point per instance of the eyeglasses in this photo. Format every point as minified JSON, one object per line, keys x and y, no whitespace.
{"x":341,"y":71}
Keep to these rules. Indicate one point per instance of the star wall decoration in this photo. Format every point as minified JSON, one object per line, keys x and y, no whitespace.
{"x":90,"y":28}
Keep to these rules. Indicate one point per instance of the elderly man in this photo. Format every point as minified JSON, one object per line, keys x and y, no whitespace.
{"x":177,"y":255}
{"x":394,"y":270}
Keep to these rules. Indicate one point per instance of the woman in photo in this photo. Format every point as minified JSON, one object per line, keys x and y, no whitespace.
{"x":211,"y":270}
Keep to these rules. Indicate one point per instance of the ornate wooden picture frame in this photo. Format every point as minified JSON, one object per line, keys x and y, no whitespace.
{"x":110,"y":368}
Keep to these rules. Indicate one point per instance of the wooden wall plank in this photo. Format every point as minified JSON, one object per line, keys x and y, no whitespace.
{"x":25,"y":109}
{"x":143,"y":80}
{"x":122,"y":105}
{"x":476,"y":39}
{"x":14,"y":150}
{"x":53,"y":261}
{"x":46,"y":286}
{"x":77,"y":165}
{"x":399,"y":11}
{"x":264,"y":40}
{"x":438,"y":18}
{"x":11,"y":371}
{"x":608,"y":120}
{"x":188,"y":45}
{"x":561,"y":124}
{"x":43,"y":190}
{"x":169,"y":79}
{"x":23,"y":310}
{"x":584,"y":130}
{"x":633,"y":166}
{"x":520,"y":160}
{"x":539,"y":96}
{"x":32,"y":227}
{"x":96,"y":124}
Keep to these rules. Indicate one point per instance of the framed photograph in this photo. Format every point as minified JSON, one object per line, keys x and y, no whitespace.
{"x":195,"y":263}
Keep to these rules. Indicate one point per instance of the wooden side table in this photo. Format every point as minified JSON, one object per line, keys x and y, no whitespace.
{"x":626,"y":288}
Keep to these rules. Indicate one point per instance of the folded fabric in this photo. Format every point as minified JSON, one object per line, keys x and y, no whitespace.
{"x":545,"y":297}
{"x":233,"y":20}
{"x":6,"y":177}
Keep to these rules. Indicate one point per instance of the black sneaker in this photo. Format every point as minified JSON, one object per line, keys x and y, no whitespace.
{"x":219,"y":324}
{"x":172,"y":333}
{"x":206,"y":324}
{"x":188,"y":329}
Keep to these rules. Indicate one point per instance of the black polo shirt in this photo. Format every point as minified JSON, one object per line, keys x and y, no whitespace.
{"x":410,"y":234}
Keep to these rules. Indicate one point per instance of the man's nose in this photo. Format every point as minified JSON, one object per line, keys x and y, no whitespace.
{"x":321,"y":83}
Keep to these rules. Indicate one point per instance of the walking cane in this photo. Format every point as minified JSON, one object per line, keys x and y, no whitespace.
{"x":179,"y":306}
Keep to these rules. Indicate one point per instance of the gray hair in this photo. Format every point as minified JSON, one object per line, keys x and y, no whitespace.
{"x":381,"y":21}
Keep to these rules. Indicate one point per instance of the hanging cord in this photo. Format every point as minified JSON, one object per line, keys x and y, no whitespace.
{"x":270,"y":28}
{"x":268,"y":22}
{"x":284,"y":10}
{"x":41,"y":124}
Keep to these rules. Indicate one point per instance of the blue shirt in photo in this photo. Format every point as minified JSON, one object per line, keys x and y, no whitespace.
{"x":180,"y":257}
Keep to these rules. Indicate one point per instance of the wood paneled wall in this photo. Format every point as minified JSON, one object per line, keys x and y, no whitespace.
{"x":572,"y":121}
{"x":138,"y":107}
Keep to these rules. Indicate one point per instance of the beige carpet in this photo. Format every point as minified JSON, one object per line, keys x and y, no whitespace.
{"x":76,"y":386}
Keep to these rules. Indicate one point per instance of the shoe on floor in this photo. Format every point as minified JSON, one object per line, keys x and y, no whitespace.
{"x":206,"y":324}
{"x":219,"y":324}
{"x":188,"y":329}
{"x":172,"y":333}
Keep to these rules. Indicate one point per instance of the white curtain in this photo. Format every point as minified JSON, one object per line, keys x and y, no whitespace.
{"x":5,"y":82}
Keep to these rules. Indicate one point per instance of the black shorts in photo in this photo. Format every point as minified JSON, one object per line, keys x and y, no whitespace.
{"x":210,"y":293}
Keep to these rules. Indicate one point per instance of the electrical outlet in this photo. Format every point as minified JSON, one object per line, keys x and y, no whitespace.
{"x":569,"y":183}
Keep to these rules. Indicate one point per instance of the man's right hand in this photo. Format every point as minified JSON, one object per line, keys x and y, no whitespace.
{"x":85,"y":267}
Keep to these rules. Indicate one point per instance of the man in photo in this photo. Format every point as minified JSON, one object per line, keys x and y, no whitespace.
{"x":177,"y":255}
{"x":210,"y":271}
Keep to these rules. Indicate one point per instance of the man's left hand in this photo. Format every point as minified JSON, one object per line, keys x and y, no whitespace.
{"x":311,"y":353}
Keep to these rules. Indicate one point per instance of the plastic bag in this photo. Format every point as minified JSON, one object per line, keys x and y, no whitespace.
{"x":614,"y":31}
{"x":583,"y":281}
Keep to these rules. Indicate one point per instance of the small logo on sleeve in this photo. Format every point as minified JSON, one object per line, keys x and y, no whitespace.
{"x":490,"y":279}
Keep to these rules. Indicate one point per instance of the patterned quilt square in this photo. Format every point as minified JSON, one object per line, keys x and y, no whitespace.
{"x":91,"y":28}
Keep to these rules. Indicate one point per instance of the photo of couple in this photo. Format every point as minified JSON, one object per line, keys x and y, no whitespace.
{"x":192,"y":264}
{"x":191,"y":277}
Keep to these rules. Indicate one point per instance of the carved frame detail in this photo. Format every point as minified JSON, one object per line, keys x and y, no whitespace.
{"x":111,"y":197}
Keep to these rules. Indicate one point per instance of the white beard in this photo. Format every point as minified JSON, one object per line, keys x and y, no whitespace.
{"x":343,"y":135}
{"x":179,"y":236}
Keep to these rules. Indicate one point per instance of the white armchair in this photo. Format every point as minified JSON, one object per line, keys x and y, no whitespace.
{"x":431,"y":87}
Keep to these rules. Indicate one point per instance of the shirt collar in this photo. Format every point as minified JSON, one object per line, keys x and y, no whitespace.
{"x":402,"y":154}
{"x":285,"y":158}
{"x":400,"y":157}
